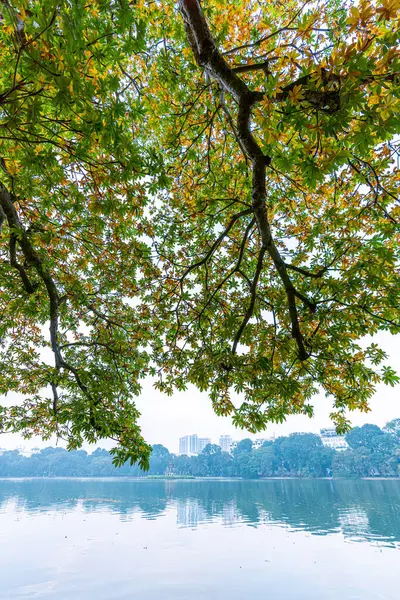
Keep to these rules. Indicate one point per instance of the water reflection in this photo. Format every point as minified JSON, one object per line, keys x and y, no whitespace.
{"x":360,"y":510}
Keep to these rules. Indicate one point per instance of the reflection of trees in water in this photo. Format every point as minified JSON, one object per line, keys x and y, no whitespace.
{"x":361,"y":509}
{"x":116,"y":496}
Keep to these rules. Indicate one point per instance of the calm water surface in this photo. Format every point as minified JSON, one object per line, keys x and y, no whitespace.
{"x":199,"y":540}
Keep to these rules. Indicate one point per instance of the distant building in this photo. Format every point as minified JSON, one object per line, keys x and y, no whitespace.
{"x":225,"y":441}
{"x":189,"y":444}
{"x":193,"y":444}
{"x":331,"y":439}
{"x":184,"y":444}
{"x":202,"y":443}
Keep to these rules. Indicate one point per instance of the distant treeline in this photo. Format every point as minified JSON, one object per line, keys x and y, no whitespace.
{"x":373,"y":452}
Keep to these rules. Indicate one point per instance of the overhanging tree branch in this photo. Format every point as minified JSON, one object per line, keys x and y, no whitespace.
{"x":208,"y":56}
{"x":19,"y":233}
{"x":29,"y":287}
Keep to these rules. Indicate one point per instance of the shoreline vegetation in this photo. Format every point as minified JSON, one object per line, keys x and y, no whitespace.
{"x":372,"y":453}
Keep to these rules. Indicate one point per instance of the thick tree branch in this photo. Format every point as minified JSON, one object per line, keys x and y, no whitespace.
{"x":55,"y":398}
{"x":263,"y":66}
{"x":2,"y":217}
{"x":29,"y":288}
{"x":19,"y":233}
{"x":208,"y":56}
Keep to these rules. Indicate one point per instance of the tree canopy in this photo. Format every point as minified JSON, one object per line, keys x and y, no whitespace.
{"x":206,"y":193}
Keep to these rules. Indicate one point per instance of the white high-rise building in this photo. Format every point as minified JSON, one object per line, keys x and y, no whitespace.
{"x":193,"y":444}
{"x":202,"y":443}
{"x":189,"y":444}
{"x":184,"y":445}
{"x":225,"y":441}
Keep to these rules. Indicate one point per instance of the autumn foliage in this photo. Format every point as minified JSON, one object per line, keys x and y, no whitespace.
{"x":205,"y":193}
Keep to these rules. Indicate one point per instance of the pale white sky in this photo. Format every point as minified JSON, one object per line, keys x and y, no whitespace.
{"x":165,"y":419}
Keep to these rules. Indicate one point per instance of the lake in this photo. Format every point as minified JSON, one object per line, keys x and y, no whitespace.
{"x":120,"y":539}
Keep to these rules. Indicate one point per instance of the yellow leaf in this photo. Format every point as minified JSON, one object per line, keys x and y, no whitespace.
{"x":388,"y":9}
{"x":354,"y":17}
{"x":296,"y":94}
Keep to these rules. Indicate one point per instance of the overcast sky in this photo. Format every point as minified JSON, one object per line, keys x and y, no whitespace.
{"x":165,"y":419}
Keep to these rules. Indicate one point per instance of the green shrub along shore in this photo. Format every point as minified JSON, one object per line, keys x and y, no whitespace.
{"x":372,"y":452}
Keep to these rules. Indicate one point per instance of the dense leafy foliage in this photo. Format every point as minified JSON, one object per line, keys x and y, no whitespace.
{"x":206,"y":193}
{"x":70,"y":197}
{"x":372,"y":453}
